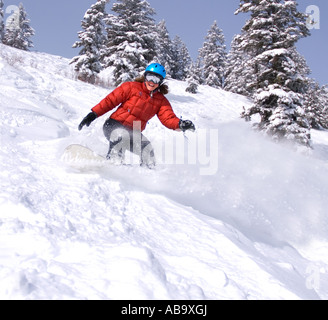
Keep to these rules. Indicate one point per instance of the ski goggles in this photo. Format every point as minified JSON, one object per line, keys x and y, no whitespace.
{"x":153,"y":78}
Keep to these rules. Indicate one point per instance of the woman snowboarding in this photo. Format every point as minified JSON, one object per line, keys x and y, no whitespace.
{"x":137,"y":103}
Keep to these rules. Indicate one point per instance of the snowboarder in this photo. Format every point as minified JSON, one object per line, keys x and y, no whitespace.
{"x":137,"y":102}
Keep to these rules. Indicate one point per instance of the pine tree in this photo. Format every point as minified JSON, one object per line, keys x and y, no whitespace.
{"x":131,"y":39}
{"x":92,"y":41}
{"x":270,"y":37}
{"x":213,"y":54}
{"x":181,"y":60}
{"x":2,"y":23}
{"x":324,"y":106}
{"x":18,"y":30}
{"x":239,"y":73}
{"x":164,"y":47}
{"x":316,"y":105}
{"x":193,"y":78}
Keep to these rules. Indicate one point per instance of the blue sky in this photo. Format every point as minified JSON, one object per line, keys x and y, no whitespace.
{"x":57,"y":22}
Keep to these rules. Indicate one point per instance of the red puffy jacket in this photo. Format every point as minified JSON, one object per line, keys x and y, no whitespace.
{"x":137,"y":104}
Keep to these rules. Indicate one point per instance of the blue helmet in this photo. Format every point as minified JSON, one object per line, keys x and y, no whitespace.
{"x":157,"y":69}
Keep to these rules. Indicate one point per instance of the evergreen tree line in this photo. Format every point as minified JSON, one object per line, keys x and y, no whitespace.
{"x":129,"y":39}
{"x":262,"y":64}
{"x":17,"y":31}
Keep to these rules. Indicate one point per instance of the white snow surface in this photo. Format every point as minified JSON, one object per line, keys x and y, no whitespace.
{"x":255,"y":226}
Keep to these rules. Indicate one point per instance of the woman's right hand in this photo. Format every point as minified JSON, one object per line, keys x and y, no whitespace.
{"x":87,"y":120}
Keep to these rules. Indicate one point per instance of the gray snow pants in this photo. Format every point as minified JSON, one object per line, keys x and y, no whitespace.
{"x":122,"y":139}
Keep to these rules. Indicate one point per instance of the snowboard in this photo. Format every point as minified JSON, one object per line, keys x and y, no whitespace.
{"x":80,"y":156}
{"x":84,"y":159}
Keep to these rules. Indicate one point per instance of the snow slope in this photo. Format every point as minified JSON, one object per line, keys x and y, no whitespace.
{"x":235,"y":218}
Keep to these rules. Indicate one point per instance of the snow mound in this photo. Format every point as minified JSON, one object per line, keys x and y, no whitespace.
{"x":226,"y":214}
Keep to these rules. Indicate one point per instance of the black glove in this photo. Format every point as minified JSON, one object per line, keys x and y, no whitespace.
{"x":87,"y":120}
{"x":186,"y":125}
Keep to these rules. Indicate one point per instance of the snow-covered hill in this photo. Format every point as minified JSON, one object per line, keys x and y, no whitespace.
{"x":236,"y":217}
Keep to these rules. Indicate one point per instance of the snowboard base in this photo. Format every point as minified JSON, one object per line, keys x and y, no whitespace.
{"x":83,"y":158}
{"x":77,"y":155}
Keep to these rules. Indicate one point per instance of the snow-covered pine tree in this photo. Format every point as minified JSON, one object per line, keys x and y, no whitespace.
{"x":316,"y":105}
{"x":324,"y":104}
{"x":2,"y":22}
{"x":193,"y":78}
{"x":18,"y":30}
{"x":214,"y":56}
{"x":181,"y":60}
{"x":270,"y":37}
{"x":239,"y":73}
{"x":92,"y":41}
{"x":164,"y":47}
{"x":131,"y":39}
